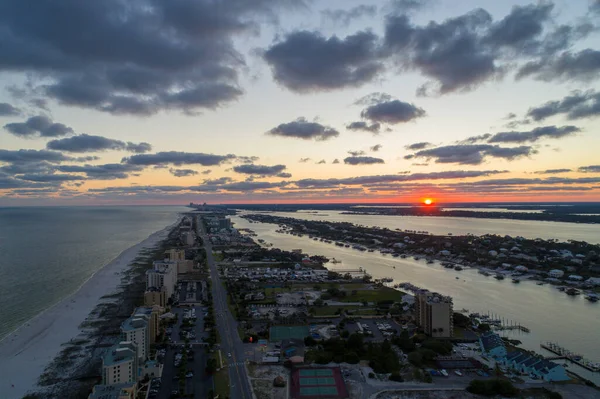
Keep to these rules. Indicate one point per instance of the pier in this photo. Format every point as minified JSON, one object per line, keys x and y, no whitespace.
{"x":499,"y":323}
{"x":563,"y":353}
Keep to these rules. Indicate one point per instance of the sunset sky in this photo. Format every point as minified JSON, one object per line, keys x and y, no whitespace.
{"x":225,"y":101}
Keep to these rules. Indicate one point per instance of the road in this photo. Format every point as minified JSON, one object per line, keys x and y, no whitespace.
{"x":227,"y":328}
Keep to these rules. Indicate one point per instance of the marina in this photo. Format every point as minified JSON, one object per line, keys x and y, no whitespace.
{"x":563,"y":353}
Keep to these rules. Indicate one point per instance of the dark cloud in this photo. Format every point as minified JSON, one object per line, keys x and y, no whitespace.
{"x":109,"y":171}
{"x":178,"y":158}
{"x":536,"y":134}
{"x":462,"y":52}
{"x":346,"y":16}
{"x":405,"y":6}
{"x":8,"y":110}
{"x":522,"y":26}
{"x":336,"y":161}
{"x":262,"y":170}
{"x":392,"y":112}
{"x":356,"y":153}
{"x":9,"y":182}
{"x":217,"y":182}
{"x":244,"y":159}
{"x":89,"y":143}
{"x":28,"y":168}
{"x":183,"y":172}
{"x":303,"y":129}
{"x":307,"y":62}
{"x":321,"y":162}
{"x":418,"y":146}
{"x":25,"y":156}
{"x":590,"y":168}
{"x":364,"y":126}
{"x":284,"y":175}
{"x":251,"y":186}
{"x":46,"y":178}
{"x":375,"y":148}
{"x":552,"y":171}
{"x":357,"y":160}
{"x":581,"y":66}
{"x":466,"y":154}
{"x":362,"y":180}
{"x":510,"y":115}
{"x":577,"y":105}
{"x":206,"y":172}
{"x":38,"y":125}
{"x":304,"y":160}
{"x":135,"y":58}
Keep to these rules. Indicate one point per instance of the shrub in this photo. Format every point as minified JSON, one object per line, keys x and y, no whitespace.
{"x":415,"y":358}
{"x":492,"y":388}
{"x":371,"y":375}
{"x":396,"y":377}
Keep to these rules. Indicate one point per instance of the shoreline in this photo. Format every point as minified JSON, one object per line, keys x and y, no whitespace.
{"x":28,"y":350}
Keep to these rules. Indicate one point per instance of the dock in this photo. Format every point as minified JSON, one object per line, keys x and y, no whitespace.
{"x":563,"y":353}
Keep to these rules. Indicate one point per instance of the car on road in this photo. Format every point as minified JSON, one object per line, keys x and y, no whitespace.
{"x":229,"y":354}
{"x":189,"y":375}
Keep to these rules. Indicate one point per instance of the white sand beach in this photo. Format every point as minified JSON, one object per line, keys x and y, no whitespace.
{"x":25,"y":352}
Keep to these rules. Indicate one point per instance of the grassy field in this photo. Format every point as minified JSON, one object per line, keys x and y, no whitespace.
{"x":310,"y":287}
{"x":379,"y":294}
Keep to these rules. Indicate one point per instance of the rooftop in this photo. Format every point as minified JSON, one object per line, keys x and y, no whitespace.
{"x":120,"y":353}
{"x":135,"y":322}
{"x":111,"y":391}
{"x":491,"y":340}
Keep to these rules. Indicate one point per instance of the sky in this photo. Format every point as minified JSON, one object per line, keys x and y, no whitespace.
{"x":288,"y":101}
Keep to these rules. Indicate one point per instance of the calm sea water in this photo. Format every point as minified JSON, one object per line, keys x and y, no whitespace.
{"x":551,"y":315}
{"x":46,"y":253}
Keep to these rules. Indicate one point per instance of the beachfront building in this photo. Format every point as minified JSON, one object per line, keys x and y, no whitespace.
{"x":163,"y":274}
{"x":125,"y":390}
{"x":536,"y":366}
{"x":434,"y":314}
{"x":120,"y":364}
{"x":153,"y":314}
{"x":492,"y":345}
{"x":155,"y":296}
{"x":175,"y":254}
{"x":150,"y":369}
{"x":136,"y":329}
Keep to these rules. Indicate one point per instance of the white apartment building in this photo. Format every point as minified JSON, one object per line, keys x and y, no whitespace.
{"x":120,"y":364}
{"x":136,"y":329}
{"x":163,"y":274}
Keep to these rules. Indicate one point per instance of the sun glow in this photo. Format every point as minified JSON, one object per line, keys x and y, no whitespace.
{"x":428,"y":201}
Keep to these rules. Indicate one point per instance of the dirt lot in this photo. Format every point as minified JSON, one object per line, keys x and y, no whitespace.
{"x":262,"y":381}
{"x":426,"y":395}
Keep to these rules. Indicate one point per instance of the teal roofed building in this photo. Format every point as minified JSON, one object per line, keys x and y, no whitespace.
{"x":136,"y":329}
{"x":116,"y":391}
{"x":535,"y":366}
{"x":492,"y":345}
{"x":120,"y":364}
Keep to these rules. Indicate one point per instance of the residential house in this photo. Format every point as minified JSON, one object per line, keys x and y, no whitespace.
{"x":492,"y":345}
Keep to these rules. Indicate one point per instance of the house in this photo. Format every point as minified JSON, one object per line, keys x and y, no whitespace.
{"x":575,"y":277}
{"x":536,"y":366}
{"x":556,"y":273}
{"x":492,"y":345}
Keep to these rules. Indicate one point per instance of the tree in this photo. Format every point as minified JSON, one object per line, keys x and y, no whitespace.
{"x":416,"y":359}
{"x":484,"y":327}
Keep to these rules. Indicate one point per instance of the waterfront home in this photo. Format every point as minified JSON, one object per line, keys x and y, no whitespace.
{"x":120,"y":364}
{"x":556,"y":273}
{"x":575,"y":277}
{"x":536,"y":366}
{"x":492,"y":345}
{"x":595,"y":281}
{"x":117,"y":391}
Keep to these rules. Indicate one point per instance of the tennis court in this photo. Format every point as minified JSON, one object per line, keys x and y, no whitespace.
{"x":318,"y":391}
{"x":279,"y":333}
{"x":316,"y":373}
{"x":318,"y":383}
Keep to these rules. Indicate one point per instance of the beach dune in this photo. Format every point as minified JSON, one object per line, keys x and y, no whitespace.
{"x":26,"y":352}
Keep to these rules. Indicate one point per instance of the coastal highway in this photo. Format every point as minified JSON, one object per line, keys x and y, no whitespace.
{"x":227,"y":328}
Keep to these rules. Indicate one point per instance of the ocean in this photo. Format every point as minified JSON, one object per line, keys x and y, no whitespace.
{"x":47,"y":253}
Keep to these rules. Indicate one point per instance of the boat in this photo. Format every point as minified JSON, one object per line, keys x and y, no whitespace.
{"x":403,"y":256}
{"x":499,"y":277}
{"x":572,"y":292}
{"x":429,"y":261}
{"x":516,"y":280}
{"x":592,"y":297}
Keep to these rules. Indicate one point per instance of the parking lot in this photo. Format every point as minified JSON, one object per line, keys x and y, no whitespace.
{"x":196,"y":380}
{"x":191,"y":292}
{"x":374,"y":329}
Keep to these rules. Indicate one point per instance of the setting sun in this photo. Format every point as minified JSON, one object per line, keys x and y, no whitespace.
{"x":428,"y":201}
